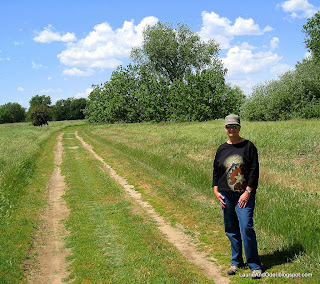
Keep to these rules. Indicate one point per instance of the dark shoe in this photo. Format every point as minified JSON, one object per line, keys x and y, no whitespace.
{"x":232,"y":270}
{"x":256,"y":274}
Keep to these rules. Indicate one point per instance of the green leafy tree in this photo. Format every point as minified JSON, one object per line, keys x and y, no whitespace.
{"x":40,"y":114}
{"x":40,"y":100}
{"x":12,"y":112}
{"x":69,"y":109}
{"x":176,"y":76}
{"x":295,"y":94}
{"x":174,"y":53}
{"x":117,"y":99}
{"x":312,"y":35}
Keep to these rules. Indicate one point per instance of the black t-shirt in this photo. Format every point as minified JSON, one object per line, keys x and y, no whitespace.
{"x":236,"y":166}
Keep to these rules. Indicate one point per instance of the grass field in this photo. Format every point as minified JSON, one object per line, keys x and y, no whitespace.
{"x":171,"y":165}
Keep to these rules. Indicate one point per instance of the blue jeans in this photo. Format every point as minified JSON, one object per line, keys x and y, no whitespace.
{"x":238,"y":224}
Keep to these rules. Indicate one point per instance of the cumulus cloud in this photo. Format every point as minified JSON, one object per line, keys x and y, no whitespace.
{"x":49,"y":35}
{"x":78,"y":72}
{"x":241,"y":60}
{"x":20,"y":89}
{"x":223,"y":31}
{"x":104,"y":47}
{"x":299,"y":8}
{"x":274,"y":43}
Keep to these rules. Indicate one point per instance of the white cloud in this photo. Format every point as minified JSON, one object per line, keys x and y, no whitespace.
{"x":246,"y":84}
{"x":16,"y":43}
{"x":280,"y":69}
{"x":105,"y":47}
{"x":240,"y":60}
{"x":274,"y":43}
{"x":36,"y":66}
{"x":84,"y":95}
{"x":299,"y":8}
{"x":78,"y":72}
{"x":48,"y":35}
{"x":48,"y":91}
{"x":223,"y":31}
{"x":20,"y":89}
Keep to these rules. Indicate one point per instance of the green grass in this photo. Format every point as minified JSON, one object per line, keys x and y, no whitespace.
{"x":111,"y":239}
{"x":171,"y":164}
{"x":26,"y":163}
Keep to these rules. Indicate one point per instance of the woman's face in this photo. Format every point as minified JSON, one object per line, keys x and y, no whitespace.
{"x":232,"y":130}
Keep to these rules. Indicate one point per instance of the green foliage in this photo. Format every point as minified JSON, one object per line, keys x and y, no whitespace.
{"x":177,"y":78}
{"x":69,"y":109}
{"x":134,"y":95}
{"x":294,"y":94}
{"x":12,"y":112}
{"x":40,"y":114}
{"x":312,"y":35}
{"x":173,"y":54}
{"x":40,"y":100}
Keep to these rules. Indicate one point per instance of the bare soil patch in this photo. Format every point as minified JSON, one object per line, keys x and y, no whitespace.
{"x":183,"y":242}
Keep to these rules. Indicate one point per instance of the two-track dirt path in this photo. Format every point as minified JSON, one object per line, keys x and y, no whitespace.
{"x":51,"y":264}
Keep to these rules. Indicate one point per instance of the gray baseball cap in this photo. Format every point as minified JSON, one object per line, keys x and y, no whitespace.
{"x":232,"y":119}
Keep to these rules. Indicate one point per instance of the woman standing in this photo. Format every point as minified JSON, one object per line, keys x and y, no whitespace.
{"x":235,"y":180}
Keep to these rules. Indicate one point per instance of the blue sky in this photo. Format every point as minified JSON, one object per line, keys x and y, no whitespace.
{"x":60,"y":48}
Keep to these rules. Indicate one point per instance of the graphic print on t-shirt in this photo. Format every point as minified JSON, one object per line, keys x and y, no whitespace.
{"x":236,"y":173}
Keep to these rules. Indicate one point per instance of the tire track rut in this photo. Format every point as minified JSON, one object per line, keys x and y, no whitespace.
{"x":51,"y":266}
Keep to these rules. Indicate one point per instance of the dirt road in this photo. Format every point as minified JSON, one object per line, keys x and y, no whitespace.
{"x":51,"y":266}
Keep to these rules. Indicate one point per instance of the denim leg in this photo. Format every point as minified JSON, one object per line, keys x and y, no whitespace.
{"x":232,"y":229}
{"x":245,"y":216}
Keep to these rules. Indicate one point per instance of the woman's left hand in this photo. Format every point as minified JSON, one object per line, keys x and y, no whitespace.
{"x":243,"y":200}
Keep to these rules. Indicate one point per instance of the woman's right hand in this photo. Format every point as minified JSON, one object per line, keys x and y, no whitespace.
{"x":219,"y":196}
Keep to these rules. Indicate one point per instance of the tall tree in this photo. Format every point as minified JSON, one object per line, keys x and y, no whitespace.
{"x":40,"y":100}
{"x":312,"y":35}
{"x":176,"y":76}
{"x":174,"y":53}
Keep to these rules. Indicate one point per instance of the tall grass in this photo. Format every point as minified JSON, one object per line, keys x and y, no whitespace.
{"x":26,"y":162}
{"x":178,"y":158}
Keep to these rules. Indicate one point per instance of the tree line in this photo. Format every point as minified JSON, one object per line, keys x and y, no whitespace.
{"x":41,"y":111}
{"x":296,"y":93}
{"x":177,"y":77}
